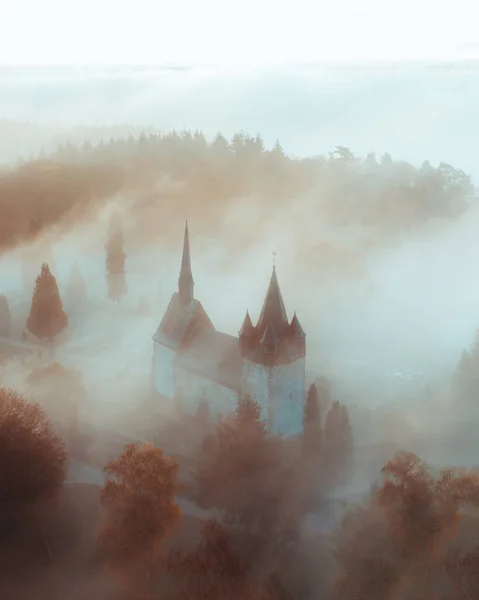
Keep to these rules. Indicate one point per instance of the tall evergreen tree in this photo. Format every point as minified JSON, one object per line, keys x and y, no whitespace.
{"x":47,"y":317}
{"x":312,"y":433}
{"x":337,"y":444}
{"x":5,"y":317}
{"x":75,"y":293}
{"x":115,"y":261}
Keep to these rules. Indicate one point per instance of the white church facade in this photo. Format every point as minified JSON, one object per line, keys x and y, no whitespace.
{"x":192,"y":360}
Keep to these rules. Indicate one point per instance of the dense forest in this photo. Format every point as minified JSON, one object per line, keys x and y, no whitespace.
{"x":183,"y":173}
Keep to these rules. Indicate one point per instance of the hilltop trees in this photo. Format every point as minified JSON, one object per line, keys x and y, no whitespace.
{"x":5,"y":317}
{"x":75,"y":293}
{"x":387,"y":194}
{"x":115,"y":261}
{"x":34,"y":460}
{"x":47,"y":318}
{"x":140,"y":507}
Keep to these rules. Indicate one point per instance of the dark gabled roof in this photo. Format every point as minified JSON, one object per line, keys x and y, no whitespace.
{"x":273,"y":310}
{"x":211,"y":354}
{"x":177,"y":319}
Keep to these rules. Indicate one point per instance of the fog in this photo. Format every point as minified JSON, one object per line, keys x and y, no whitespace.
{"x":413,"y":111}
{"x":387,"y":310}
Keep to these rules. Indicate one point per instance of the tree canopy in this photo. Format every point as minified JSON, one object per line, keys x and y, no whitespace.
{"x":34,"y":459}
{"x":47,"y":318}
{"x":140,"y":507}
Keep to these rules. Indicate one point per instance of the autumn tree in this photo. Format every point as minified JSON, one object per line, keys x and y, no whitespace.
{"x":5,"y":317}
{"x":75,"y":293}
{"x":115,"y":261}
{"x":140,"y":508}
{"x":211,"y":570}
{"x":398,"y":541}
{"x":214,"y":570}
{"x":47,"y":318}
{"x":244,"y":473}
{"x":34,"y":460}
{"x":337,"y":444}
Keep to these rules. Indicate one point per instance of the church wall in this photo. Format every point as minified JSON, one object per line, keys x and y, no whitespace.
{"x":279,"y":392}
{"x":255,"y":383}
{"x":221,"y":400}
{"x":164,"y":375}
{"x":288,"y":390}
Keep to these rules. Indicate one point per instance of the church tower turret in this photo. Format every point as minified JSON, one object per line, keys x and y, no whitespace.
{"x":273,"y":354}
{"x":185,"y":280}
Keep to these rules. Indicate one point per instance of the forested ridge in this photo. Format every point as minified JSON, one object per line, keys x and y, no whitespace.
{"x":185,"y":173}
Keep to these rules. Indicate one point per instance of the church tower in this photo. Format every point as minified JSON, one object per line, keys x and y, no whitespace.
{"x":273,"y":354}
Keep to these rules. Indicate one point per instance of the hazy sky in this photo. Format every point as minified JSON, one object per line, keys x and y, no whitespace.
{"x":246,"y":33}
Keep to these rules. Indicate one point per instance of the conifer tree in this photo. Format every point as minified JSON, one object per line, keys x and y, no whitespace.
{"x":75,"y":294}
{"x":312,"y":434}
{"x":115,"y":261}
{"x":337,"y":444}
{"x":5,"y":317}
{"x":47,"y":317}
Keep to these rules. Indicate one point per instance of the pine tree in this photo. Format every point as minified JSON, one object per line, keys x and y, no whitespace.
{"x":115,"y":261}
{"x":337,"y":444}
{"x":75,"y":294}
{"x":312,"y":434}
{"x":47,"y":317}
{"x":5,"y":317}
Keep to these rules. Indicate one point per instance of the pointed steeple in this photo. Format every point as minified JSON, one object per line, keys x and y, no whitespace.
{"x":273,"y":310}
{"x":295,"y":327}
{"x":247,"y":328}
{"x":185,"y":280}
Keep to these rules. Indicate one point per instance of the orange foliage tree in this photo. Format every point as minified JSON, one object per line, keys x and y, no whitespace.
{"x":214,"y":570}
{"x":140,"y":507}
{"x":34,"y":460}
{"x":399,"y":542}
{"x":244,"y":472}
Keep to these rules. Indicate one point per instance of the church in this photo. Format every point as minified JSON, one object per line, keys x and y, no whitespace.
{"x":193,"y":360}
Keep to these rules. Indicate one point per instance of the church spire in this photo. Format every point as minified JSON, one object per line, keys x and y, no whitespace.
{"x":185,"y":280}
{"x":273,"y":310}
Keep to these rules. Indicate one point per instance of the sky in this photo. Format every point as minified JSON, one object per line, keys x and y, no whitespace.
{"x":246,"y":33}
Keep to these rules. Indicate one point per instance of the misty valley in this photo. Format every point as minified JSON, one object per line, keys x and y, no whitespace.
{"x":228,"y":372}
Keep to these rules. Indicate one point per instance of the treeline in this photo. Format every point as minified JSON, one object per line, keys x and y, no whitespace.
{"x":184,"y":172}
{"x":405,"y":540}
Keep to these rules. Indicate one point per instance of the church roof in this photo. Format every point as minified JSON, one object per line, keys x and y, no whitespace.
{"x":247,"y":327}
{"x":211,"y":354}
{"x":269,"y":337}
{"x":177,"y":319}
{"x":296,"y":328}
{"x":185,"y":279}
{"x":273,"y":310}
